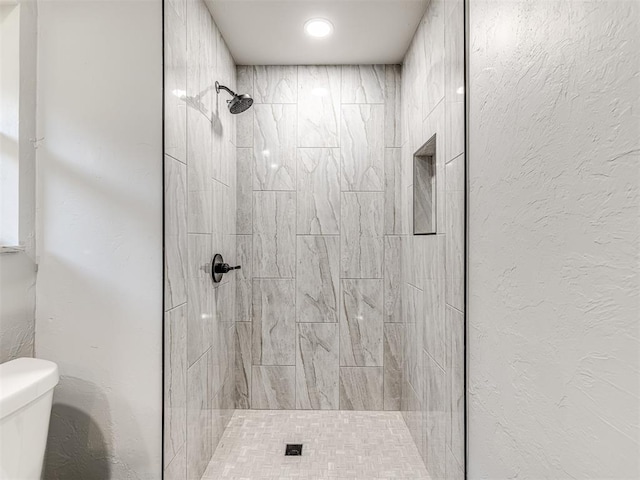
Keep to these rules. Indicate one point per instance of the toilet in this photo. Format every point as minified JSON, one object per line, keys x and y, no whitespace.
{"x":26,"y":392}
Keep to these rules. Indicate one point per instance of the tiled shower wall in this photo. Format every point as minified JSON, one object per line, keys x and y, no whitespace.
{"x":200,"y":196}
{"x":433,"y":265}
{"x":318,"y":309}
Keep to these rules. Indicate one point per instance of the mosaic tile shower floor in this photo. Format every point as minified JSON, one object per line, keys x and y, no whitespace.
{"x":337,"y":445}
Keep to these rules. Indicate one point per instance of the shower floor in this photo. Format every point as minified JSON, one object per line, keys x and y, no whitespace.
{"x":337,"y":444}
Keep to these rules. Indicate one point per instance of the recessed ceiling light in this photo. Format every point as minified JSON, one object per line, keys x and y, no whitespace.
{"x":318,"y":27}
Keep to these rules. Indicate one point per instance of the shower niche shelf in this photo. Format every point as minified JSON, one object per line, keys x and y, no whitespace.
{"x":424,"y":189}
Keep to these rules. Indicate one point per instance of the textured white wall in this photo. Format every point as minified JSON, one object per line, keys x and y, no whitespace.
{"x":554,"y":239}
{"x":99,"y":311}
{"x":18,"y":270}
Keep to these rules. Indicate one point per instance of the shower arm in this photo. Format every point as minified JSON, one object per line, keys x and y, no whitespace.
{"x":222,"y":87}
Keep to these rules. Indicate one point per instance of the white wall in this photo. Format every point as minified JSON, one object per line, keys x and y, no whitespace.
{"x":554,"y":239}
{"x":99,"y":312}
{"x":18,"y":269}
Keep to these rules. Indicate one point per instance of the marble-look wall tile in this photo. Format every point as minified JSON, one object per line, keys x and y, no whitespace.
{"x":243,"y":278}
{"x":454,"y":470}
{"x":274,"y":234}
{"x":361,"y":388}
{"x":318,"y":191}
{"x":454,"y":79}
{"x":434,"y":319}
{"x":319,"y":106}
{"x":175,"y":382}
{"x":273,"y":387}
{"x":362,"y":149}
{"x":175,"y":233}
{"x":199,"y":440}
{"x":361,"y":238}
{"x":274,"y":322}
{"x":243,"y":364}
{"x":177,"y":469}
{"x":393,"y":253}
{"x":363,"y":83}
{"x":433,"y":80}
{"x":244,"y":121}
{"x":455,"y":233}
{"x":274,"y":147}
{"x":317,"y":279}
{"x":276,"y":84}
{"x":244,"y":190}
{"x":317,"y":368}
{"x":199,"y":173}
{"x":435,"y":419}
{"x":200,"y":290}
{"x":361,"y":323}
{"x":455,"y":375}
{"x":179,"y":6}
{"x":415,"y":334}
{"x":392,"y":106}
{"x":413,"y":414}
{"x":393,"y":201}
{"x":175,"y":77}
{"x":393,"y":364}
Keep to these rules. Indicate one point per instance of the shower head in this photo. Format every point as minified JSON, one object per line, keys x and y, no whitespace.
{"x":239,"y":103}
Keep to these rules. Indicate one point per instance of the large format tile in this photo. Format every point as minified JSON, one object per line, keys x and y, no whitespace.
{"x":317,"y":368}
{"x":244,"y":121}
{"x":275,"y":84}
{"x":274,"y":147}
{"x":177,"y":469}
{"x":274,"y":234}
{"x":243,"y":365}
{"x":454,"y":79}
{"x":361,"y":235}
{"x":433,"y":80}
{"x":434,"y":319}
{"x":200,"y":306}
{"x":274,"y":322}
{"x":175,"y":233}
{"x":175,"y":77}
{"x":363,"y":83}
{"x":393,"y":364}
{"x":435,"y":419}
{"x":199,"y":173}
{"x":273,"y":387}
{"x":393,"y":252}
{"x":455,"y":233}
{"x":392,"y":106}
{"x":199,"y":440}
{"x":319,"y":106}
{"x":243,"y":278}
{"x":362,"y":147}
{"x":175,"y":382}
{"x":244,"y":191}
{"x":455,"y":375}
{"x":318,"y":191}
{"x":317,"y":279}
{"x":361,"y":388}
{"x":393,"y":201}
{"x":361,"y":323}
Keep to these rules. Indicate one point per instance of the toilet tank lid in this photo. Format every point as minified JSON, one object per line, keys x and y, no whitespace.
{"x":23,"y":380}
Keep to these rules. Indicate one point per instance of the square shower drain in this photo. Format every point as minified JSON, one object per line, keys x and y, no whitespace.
{"x":293,"y":449}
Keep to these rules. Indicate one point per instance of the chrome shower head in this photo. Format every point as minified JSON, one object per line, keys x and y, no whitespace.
{"x":239,"y":103}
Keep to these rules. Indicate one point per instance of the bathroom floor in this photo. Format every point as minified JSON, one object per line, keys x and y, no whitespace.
{"x":336,"y":444}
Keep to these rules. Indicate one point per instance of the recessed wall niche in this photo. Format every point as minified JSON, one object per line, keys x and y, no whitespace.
{"x":424,"y":189}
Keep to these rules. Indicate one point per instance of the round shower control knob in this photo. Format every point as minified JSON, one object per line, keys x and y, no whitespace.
{"x":219,"y":268}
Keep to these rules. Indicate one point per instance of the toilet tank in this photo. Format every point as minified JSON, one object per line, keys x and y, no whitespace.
{"x":26,"y":392}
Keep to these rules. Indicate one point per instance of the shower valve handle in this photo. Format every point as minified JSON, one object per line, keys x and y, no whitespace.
{"x":219,"y":268}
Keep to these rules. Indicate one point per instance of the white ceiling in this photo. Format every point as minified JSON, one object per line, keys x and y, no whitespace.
{"x":270,"y":32}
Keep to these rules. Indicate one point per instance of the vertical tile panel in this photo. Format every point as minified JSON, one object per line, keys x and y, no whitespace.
{"x":433,"y":80}
{"x":273,"y":387}
{"x":318,"y":191}
{"x":243,"y":278}
{"x":276,"y":84}
{"x":393,"y":203}
{"x":199,"y":172}
{"x":393,"y":278}
{"x":393,"y":364}
{"x":436,"y":418}
{"x":392,"y":106}
{"x":363,"y":83}
{"x":274,"y":147}
{"x":244,"y":121}
{"x":177,"y":469}
{"x":317,"y":368}
{"x":317,"y":279}
{"x":274,"y":322}
{"x":318,"y":106}
{"x":175,"y":382}
{"x":243,"y":364}
{"x":199,"y":419}
{"x":455,"y":233}
{"x":362,"y":148}
{"x":175,"y":232}
{"x":200,"y":305}
{"x":455,"y":371}
{"x":244,"y":188}
{"x":175,"y":90}
{"x":274,"y":244}
{"x":361,"y":238}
